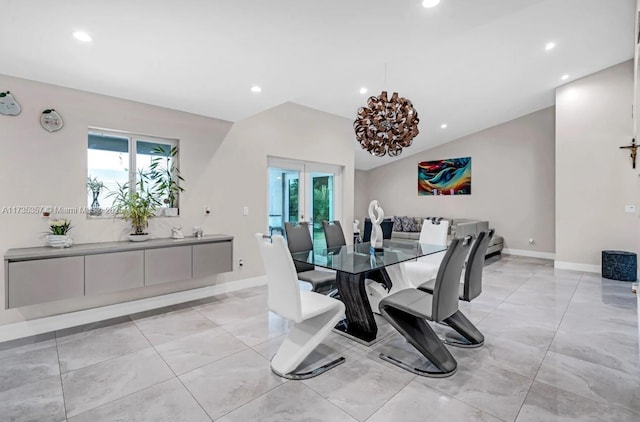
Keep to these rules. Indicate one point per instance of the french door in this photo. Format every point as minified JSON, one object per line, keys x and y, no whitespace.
{"x":303,"y":192}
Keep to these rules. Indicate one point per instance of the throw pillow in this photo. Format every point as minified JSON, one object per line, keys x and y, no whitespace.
{"x":409,"y":224}
{"x":397,"y":224}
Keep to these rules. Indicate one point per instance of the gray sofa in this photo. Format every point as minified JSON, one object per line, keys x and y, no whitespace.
{"x":458,"y":227}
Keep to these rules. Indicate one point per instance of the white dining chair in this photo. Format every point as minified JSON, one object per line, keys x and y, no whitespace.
{"x":313,"y":314}
{"x":434,"y":232}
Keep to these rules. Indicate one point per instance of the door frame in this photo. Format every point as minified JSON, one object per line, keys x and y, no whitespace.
{"x":305,"y":192}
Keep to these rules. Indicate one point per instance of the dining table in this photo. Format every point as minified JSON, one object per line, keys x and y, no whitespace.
{"x":360,"y":264}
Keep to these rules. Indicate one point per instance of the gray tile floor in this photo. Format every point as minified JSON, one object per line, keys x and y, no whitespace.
{"x":560,"y":346}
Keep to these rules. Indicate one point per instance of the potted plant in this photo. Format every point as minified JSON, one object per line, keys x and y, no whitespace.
{"x":58,"y":233}
{"x":166,"y":175}
{"x":136,"y":205}
{"x":95,"y":187}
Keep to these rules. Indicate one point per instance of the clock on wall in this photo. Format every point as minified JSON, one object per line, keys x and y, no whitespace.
{"x":50,"y":120}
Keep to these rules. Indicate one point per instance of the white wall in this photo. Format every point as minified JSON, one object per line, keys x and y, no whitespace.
{"x":595,"y":179}
{"x":512,"y":182}
{"x":286,"y":131}
{"x":224,"y":168}
{"x":360,"y":195}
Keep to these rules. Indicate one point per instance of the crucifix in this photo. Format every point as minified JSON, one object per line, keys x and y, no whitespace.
{"x":634,"y":148}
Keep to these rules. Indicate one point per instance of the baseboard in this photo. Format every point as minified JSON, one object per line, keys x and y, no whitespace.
{"x":587,"y":268}
{"x":37,"y":326}
{"x":531,"y":254}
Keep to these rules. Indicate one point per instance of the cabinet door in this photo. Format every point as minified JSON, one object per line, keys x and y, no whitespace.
{"x":111,"y":272}
{"x":212,"y":258}
{"x":45,"y":280}
{"x":165,"y":265}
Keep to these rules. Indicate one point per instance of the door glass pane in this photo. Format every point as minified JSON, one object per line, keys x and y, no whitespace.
{"x":284,"y":198}
{"x":322,"y":198}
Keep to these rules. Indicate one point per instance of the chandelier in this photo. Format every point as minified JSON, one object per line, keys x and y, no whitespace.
{"x":386,"y":126}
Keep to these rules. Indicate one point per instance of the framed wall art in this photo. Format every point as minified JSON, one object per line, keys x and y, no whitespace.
{"x":445,"y":177}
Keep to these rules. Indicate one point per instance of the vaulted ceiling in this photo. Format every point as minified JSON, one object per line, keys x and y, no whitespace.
{"x":469,"y":64}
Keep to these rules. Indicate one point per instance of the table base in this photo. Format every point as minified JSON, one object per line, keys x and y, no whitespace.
{"x":342,"y":329}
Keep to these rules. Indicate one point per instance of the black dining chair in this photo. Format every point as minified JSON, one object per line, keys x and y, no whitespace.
{"x":468,"y":290}
{"x":386,"y":226}
{"x":299,"y":240}
{"x":408,"y":311}
{"x":333,"y":234}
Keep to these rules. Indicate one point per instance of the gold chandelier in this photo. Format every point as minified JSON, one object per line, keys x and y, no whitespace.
{"x":386,"y":126}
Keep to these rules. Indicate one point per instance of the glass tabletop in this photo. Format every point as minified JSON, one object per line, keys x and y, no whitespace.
{"x":359,"y":258}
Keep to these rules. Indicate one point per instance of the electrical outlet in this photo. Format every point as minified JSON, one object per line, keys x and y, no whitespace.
{"x":207,"y":210}
{"x":240,"y":262}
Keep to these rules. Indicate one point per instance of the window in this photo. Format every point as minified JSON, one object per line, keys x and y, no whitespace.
{"x":115,"y":158}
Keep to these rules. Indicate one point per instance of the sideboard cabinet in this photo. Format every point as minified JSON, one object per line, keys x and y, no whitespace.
{"x":44,"y":274}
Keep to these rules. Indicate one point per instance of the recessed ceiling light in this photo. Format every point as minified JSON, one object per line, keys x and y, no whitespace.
{"x":82,"y":36}
{"x":564,"y":77}
{"x":430,"y":3}
{"x":443,"y":126}
{"x":256,"y":88}
{"x":363,"y":90}
{"x":550,"y":46}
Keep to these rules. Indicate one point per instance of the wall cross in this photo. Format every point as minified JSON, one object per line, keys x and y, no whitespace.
{"x":634,"y":149}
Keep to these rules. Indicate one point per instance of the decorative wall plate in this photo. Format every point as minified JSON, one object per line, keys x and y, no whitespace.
{"x":8,"y":104}
{"x":51,"y":120}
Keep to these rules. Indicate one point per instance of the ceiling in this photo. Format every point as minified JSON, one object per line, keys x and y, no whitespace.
{"x":468,"y":63}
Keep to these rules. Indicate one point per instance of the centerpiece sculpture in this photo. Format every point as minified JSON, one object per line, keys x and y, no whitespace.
{"x":376,"y":215}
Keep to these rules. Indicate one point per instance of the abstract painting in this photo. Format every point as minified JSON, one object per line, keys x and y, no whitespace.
{"x":445,"y":177}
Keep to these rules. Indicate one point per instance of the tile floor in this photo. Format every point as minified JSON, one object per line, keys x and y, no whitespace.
{"x":560,"y":346}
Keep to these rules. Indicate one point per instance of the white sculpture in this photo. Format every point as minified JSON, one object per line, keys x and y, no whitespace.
{"x":376,"y":230}
{"x":176,"y":232}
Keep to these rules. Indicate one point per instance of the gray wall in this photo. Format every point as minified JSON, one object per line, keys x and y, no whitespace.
{"x":594,"y":177}
{"x":513,"y":176}
{"x":224,"y":165}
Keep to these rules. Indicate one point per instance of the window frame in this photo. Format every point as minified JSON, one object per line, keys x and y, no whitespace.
{"x":133,"y":138}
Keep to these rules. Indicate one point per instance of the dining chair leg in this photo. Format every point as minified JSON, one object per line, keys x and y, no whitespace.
{"x":419,"y":333}
{"x":302,"y":339}
{"x":464,"y":327}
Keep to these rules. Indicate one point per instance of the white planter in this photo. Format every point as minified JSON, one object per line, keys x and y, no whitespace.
{"x":171,"y":212}
{"x":139,"y":237}
{"x":59,"y":241}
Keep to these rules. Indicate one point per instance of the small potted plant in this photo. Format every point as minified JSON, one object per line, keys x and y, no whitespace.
{"x":95,"y":187}
{"x":58,"y":233}
{"x":166,"y":175}
{"x":137,"y":206}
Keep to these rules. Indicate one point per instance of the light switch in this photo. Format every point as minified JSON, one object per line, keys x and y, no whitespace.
{"x":630,"y":209}
{"x":245,"y":211}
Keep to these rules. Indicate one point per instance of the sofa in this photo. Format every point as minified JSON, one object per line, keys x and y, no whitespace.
{"x":409,"y":228}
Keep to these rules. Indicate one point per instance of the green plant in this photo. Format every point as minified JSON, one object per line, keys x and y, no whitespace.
{"x":60,"y":227}
{"x":136,"y":205}
{"x":94,"y":185}
{"x":166,"y":175}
